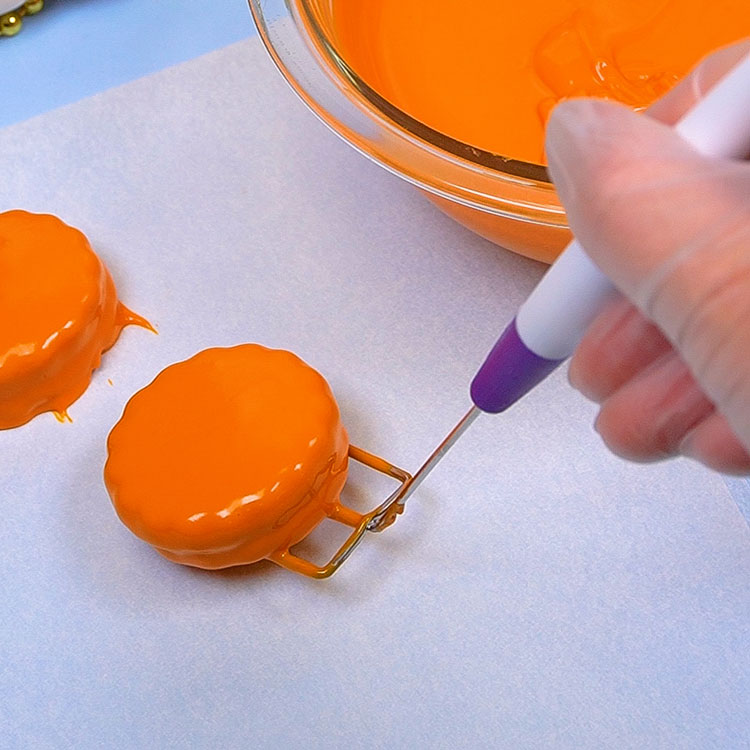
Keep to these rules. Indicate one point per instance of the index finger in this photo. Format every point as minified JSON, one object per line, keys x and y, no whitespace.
{"x":673,"y":105}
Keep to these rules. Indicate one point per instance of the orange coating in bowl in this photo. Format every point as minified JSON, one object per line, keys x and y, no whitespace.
{"x":487,"y":73}
{"x":58,"y":313}
{"x":228,"y":457}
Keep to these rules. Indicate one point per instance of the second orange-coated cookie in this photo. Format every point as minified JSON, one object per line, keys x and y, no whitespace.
{"x":228,"y":457}
{"x":58,"y":312}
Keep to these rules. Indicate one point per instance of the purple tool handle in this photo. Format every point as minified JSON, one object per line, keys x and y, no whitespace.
{"x":510,"y":371}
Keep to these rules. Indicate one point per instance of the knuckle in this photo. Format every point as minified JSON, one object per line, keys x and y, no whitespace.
{"x":714,"y":335}
{"x":633,"y":439}
{"x":617,"y":192}
{"x":618,"y":435}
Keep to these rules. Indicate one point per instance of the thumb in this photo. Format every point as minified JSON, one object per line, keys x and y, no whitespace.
{"x":671,"y":229}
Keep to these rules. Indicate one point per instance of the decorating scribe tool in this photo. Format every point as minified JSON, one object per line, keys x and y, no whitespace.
{"x":552,"y":321}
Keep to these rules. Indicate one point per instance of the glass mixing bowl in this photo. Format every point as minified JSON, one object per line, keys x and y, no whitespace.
{"x":510,"y":202}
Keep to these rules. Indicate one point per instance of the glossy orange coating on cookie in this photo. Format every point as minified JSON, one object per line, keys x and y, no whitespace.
{"x":228,"y":457}
{"x":58,"y":313}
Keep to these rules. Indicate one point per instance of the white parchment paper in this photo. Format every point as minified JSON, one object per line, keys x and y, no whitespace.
{"x":537,"y":593}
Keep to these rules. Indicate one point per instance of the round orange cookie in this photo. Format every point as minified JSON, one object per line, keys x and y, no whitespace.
{"x":228,"y":457}
{"x":58,"y":313}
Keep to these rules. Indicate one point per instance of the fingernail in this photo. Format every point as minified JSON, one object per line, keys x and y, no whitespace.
{"x":714,"y":67}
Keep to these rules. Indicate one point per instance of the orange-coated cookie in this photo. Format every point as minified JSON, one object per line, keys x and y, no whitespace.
{"x":58,"y":313}
{"x":228,"y":457}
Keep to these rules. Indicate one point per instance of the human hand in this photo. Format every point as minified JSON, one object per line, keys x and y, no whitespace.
{"x":669,"y":361}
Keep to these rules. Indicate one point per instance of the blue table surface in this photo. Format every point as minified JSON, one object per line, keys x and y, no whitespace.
{"x":76,"y":48}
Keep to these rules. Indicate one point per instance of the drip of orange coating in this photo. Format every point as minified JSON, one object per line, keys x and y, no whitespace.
{"x":488,"y":72}
{"x":58,"y":313}
{"x":126,"y":317}
{"x":228,"y":457}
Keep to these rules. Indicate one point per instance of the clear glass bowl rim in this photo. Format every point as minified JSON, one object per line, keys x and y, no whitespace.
{"x":507,"y":187}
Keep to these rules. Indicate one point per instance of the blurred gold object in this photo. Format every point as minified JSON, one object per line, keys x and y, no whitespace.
{"x":10,"y":23}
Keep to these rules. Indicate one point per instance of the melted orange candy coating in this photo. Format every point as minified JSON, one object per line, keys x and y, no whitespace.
{"x":58,"y":313}
{"x":488,"y":72}
{"x":228,"y":457}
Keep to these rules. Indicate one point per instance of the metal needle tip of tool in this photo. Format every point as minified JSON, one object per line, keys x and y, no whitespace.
{"x":387,"y":512}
